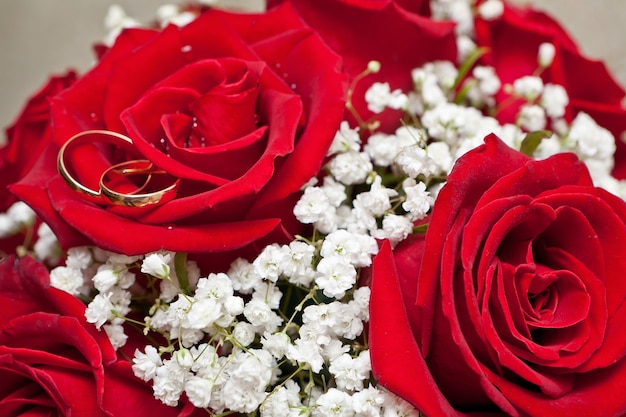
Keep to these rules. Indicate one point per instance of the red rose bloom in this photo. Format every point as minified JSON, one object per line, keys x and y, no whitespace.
{"x":240,"y":108}
{"x":513,"y":43}
{"x":513,"y":302}
{"x":28,"y":136}
{"x":54,"y":363}
{"x":365,"y":30}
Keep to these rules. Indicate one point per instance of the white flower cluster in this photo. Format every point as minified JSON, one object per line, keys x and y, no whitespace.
{"x":283,"y":334}
{"x":231,"y":336}
{"x":17,"y":217}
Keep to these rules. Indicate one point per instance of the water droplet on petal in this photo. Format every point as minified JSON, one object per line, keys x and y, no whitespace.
{"x":94,"y":117}
{"x":185,"y":49}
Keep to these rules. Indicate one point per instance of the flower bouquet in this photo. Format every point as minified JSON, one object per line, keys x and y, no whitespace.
{"x":331,"y":208}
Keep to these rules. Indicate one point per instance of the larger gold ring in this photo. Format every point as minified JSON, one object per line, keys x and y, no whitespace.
{"x":118,"y":174}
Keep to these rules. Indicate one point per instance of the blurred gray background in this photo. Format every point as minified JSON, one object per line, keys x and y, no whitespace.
{"x":40,"y":37}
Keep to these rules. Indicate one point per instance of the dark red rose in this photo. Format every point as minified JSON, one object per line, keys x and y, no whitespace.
{"x":241,"y":108}
{"x":53,"y":363}
{"x":513,"y":43}
{"x":365,"y":30}
{"x":28,"y":136}
{"x":513,"y":302}
{"x":421,"y":7}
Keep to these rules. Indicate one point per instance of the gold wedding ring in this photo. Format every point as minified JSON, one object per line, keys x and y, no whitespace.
{"x":118,"y":184}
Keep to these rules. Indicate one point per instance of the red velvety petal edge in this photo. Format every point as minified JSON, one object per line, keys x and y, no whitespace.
{"x":118,"y":234}
{"x":24,"y":336}
{"x":598,"y":393}
{"x":68,"y":391}
{"x":397,"y":362}
{"x":25,"y":289}
{"x":473,"y":174}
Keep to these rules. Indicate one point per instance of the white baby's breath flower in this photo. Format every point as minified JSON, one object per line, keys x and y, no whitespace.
{"x":100,"y":309}
{"x":116,"y":20}
{"x":105,"y":278}
{"x":243,"y":275}
{"x":491,"y":9}
{"x":258,"y":313}
{"x":368,"y":402}
{"x":395,"y":406}
{"x":554,"y":99}
{"x":21,"y":214}
{"x":284,"y":402}
{"x":170,"y":13}
{"x":415,"y":161}
{"x":269,"y":293}
{"x":334,"y":403}
{"x":244,"y":333}
{"x":529,"y":87}
{"x":418,"y":199}
{"x":379,"y":96}
{"x":350,"y":373}
{"x":395,"y":228}
{"x":157,"y":265}
{"x":440,"y":153}
{"x":199,"y":391}
{"x":312,"y":205}
{"x":47,"y":246}
{"x":276,"y":343}
{"x":79,"y":257}
{"x":268,"y":265}
{"x":346,"y":139}
{"x":202,"y":313}
{"x":7,"y":226}
{"x":335,"y":191}
{"x":465,"y":46}
{"x":116,"y":335}
{"x":532,"y":117}
{"x":145,"y":363}
{"x":335,"y":276}
{"x":169,"y":382}
{"x":67,"y":279}
{"x":217,"y":286}
{"x":305,"y":352}
{"x":377,"y":199}
{"x":488,"y":81}
{"x":350,"y":167}
{"x":591,"y":140}
{"x":382,"y":149}
{"x":546,"y":54}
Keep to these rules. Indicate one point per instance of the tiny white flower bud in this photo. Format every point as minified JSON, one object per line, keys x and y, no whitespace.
{"x":546,"y":54}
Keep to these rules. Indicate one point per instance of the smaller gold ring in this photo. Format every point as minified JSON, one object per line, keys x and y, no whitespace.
{"x":137,"y":198}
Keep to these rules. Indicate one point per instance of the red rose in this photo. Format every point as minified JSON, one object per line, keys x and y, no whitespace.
{"x":513,"y":43}
{"x":365,"y":30}
{"x":28,"y":136}
{"x":514,"y":299}
{"x":52,"y":362}
{"x":240,"y":108}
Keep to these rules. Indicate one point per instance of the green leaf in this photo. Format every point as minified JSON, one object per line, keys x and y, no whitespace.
{"x":532,"y":141}
{"x":180,"y":265}
{"x":421,"y":229}
{"x":468,"y":64}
